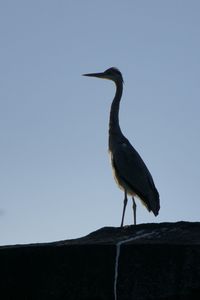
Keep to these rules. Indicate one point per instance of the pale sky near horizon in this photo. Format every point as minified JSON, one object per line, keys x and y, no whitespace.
{"x":56,"y":180}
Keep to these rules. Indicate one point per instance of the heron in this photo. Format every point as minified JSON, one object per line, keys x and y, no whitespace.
{"x":129,"y":170}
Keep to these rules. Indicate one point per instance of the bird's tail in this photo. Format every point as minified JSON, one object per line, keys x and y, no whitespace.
{"x":154,"y":203}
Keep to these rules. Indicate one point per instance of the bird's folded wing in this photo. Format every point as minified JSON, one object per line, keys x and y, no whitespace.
{"x":131,"y":169}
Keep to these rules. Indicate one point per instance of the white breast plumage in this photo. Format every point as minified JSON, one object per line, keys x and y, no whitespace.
{"x":121,"y":184}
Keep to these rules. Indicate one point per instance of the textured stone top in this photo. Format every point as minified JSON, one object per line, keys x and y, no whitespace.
{"x":155,"y":233}
{"x":143,"y":262}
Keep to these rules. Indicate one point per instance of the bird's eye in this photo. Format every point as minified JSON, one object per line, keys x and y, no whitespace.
{"x":113,"y":71}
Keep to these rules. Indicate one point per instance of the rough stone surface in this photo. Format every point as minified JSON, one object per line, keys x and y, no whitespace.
{"x":153,"y":261}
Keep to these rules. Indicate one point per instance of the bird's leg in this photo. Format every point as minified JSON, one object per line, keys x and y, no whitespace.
{"x":124,"y":208}
{"x":134,"y":210}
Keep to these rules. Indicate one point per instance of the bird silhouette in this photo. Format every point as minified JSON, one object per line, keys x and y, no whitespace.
{"x":129,"y":170}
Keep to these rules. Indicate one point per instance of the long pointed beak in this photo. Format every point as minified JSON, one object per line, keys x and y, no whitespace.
{"x":99,"y":75}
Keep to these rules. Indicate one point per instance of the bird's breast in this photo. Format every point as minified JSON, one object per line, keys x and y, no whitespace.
{"x":121,"y":184}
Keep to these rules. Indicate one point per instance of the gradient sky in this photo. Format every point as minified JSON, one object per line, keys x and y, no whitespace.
{"x":56,"y":180}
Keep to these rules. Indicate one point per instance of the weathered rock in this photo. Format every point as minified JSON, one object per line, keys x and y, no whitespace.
{"x":147,"y":261}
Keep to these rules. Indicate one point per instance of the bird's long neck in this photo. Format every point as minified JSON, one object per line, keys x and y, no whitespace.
{"x":114,"y":127}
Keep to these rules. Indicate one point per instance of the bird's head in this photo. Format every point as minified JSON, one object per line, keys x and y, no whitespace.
{"x":111,"y":74}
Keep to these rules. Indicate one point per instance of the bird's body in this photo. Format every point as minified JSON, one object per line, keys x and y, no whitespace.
{"x":129,"y":170}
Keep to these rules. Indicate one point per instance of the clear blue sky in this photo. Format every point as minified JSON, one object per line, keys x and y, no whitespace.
{"x":56,"y":181}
